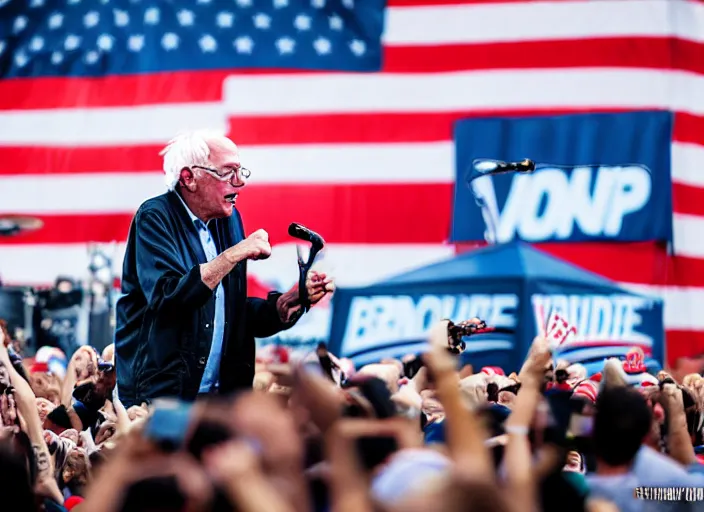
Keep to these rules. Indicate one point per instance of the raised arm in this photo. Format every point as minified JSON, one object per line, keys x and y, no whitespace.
{"x":166,"y":282}
{"x":520,"y":475}
{"x":27,"y":409}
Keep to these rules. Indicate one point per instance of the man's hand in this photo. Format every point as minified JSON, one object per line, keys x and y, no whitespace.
{"x":318,"y":285}
{"x":8,"y":412}
{"x":85,"y":363}
{"x":539,"y":357}
{"x":5,"y":338}
{"x":255,"y":247}
{"x":672,"y":399}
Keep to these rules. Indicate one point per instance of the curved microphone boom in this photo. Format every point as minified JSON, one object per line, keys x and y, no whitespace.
{"x":488,"y":167}
{"x":11,"y":225}
{"x":483,"y":190}
{"x":316,"y":245}
{"x":303,"y":233}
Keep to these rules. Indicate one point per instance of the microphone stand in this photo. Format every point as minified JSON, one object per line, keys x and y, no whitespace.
{"x":483,"y":191}
{"x":100,"y":262}
{"x":316,"y":245}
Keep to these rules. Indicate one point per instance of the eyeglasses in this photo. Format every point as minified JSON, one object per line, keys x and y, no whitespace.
{"x":242,"y":173}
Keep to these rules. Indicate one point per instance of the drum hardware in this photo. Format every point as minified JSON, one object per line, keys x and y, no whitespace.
{"x":59,"y":328}
{"x":13,"y":299}
{"x":57,"y":315}
{"x":100,"y":294}
{"x":30,"y":303}
{"x":11,"y":225}
{"x":17,"y":306}
{"x":70,"y":313}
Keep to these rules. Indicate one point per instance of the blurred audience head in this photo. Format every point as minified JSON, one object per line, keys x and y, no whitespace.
{"x":621,"y":424}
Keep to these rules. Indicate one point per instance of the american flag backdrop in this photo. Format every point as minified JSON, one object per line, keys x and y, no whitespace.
{"x":343,"y":110}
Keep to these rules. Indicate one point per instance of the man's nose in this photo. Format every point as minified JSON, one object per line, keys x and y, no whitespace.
{"x":237,"y":184}
{"x":238,"y":181}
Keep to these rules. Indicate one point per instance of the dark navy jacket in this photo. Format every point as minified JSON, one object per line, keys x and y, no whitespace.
{"x":165,"y":315}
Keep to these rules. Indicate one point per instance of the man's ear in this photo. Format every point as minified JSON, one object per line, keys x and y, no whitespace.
{"x":187,"y":179}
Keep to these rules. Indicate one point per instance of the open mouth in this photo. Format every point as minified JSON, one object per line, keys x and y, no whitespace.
{"x":231,"y":198}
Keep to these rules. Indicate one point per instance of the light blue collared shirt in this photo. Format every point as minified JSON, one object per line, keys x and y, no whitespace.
{"x":211,"y":375}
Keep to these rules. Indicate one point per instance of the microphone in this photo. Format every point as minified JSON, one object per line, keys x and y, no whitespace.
{"x":303,"y":233}
{"x":316,"y":245}
{"x":487,"y":167}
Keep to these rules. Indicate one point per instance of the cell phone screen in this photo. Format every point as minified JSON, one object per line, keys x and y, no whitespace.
{"x":411,"y":368}
{"x":169,"y":424}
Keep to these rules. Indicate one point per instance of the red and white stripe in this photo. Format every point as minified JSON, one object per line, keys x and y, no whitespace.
{"x":368,"y":159}
{"x":587,"y":389}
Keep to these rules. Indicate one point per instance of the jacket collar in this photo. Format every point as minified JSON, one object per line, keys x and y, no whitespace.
{"x":188,"y":210}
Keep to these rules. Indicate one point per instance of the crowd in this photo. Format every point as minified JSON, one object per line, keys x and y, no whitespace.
{"x":316,"y":434}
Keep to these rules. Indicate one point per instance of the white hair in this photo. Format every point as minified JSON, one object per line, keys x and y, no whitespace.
{"x":186,"y":150}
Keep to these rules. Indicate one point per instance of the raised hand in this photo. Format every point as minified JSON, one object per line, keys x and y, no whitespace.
{"x":318,"y":285}
{"x":256,"y":246}
{"x":5,"y":338}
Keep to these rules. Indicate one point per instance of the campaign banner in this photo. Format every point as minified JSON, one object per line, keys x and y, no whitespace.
{"x":605,"y":324}
{"x":380,"y":323}
{"x":599,"y":177}
{"x":513,"y":287}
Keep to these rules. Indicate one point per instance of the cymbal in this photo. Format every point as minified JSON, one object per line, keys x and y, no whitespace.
{"x":16,"y":224}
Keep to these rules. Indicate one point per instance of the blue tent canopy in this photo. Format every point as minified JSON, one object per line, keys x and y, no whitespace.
{"x":511,"y":285}
{"x":514,"y":260}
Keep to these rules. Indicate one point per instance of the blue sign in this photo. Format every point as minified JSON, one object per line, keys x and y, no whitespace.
{"x":407,"y":317}
{"x":511,"y":286}
{"x":608,"y":322}
{"x":599,"y":177}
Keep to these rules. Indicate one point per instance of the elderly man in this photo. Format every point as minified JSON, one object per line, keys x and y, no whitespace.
{"x":185,"y":325}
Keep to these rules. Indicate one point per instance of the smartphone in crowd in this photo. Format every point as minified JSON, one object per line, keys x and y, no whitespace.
{"x":324,"y":360}
{"x":579,"y":435}
{"x":169,"y":424}
{"x":412,"y":367}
